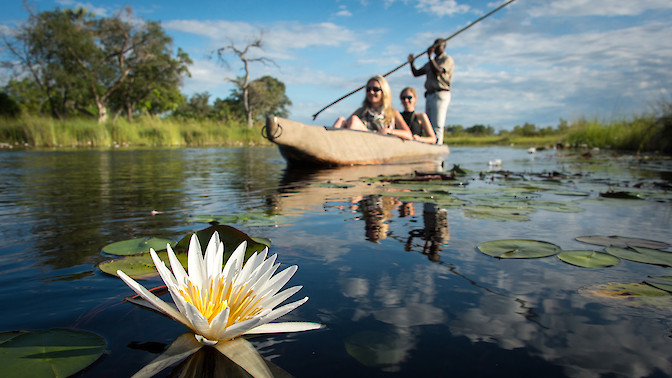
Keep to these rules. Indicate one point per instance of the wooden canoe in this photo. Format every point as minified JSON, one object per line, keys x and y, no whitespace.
{"x":310,"y":145}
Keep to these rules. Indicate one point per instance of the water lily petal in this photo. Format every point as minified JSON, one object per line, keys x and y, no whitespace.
{"x":280,"y":311}
{"x":242,"y":352}
{"x":278,"y":281}
{"x":271,"y":302}
{"x":180,"y":274}
{"x":218,"y":323}
{"x":235,"y":262}
{"x":212,"y":266}
{"x":184,"y":346}
{"x":238,"y":329}
{"x":284,"y":327}
{"x":199,"y":323}
{"x":153,"y":299}
{"x":196,"y":266}
{"x":169,"y":280}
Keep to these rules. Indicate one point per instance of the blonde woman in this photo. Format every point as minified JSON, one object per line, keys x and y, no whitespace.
{"x":421,"y":128}
{"x":377,"y":113}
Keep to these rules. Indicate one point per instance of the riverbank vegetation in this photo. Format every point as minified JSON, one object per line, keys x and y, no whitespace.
{"x":649,"y":131}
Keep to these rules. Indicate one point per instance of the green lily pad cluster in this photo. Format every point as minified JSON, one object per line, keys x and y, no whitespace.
{"x":246,"y":219}
{"x":637,"y":250}
{"x":138,"y":264}
{"x":514,"y":196}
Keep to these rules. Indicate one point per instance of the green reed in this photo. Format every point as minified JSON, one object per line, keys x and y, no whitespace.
{"x":39,"y":131}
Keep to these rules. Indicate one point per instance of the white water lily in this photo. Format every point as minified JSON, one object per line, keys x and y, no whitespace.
{"x":219,"y":304}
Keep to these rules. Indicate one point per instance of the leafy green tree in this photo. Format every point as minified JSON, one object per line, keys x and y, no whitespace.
{"x":80,"y":61}
{"x":267,"y":97}
{"x":197,"y":107}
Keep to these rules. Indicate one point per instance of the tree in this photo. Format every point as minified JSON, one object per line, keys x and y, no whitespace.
{"x":197,"y":107}
{"x":243,"y":82}
{"x":266,"y":97}
{"x":80,"y":61}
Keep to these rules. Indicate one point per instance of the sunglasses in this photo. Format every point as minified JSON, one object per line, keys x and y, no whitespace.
{"x":374,"y":89}
{"x":407,"y":98}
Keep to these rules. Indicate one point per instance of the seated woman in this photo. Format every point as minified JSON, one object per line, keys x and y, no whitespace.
{"x":377,"y":113}
{"x":419,"y":123}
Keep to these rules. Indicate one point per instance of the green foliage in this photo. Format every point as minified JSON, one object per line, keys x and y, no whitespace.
{"x":8,"y":107}
{"x":80,"y":65}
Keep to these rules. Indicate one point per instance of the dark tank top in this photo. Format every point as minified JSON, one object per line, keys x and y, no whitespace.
{"x":412,"y":121}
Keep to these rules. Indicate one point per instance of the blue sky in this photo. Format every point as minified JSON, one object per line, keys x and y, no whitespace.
{"x":533,"y":61}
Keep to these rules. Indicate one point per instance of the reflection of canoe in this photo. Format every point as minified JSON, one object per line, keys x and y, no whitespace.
{"x":318,"y":145}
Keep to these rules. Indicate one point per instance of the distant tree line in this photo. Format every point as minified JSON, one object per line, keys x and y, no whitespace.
{"x":526,"y":130}
{"x":71,"y":63}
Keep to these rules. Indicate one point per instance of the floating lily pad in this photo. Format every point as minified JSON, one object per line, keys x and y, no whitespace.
{"x":642,"y":255}
{"x":558,"y":207}
{"x":375,"y":349}
{"x":248,"y":219}
{"x":495,"y":213}
{"x":136,"y":246}
{"x":630,"y":294}
{"x":230,"y":236}
{"x":588,"y":259}
{"x":518,"y":249}
{"x":50,"y":353}
{"x":334,"y":185}
{"x":662,"y":278}
{"x":138,"y":266}
{"x":622,"y":241}
{"x":661,"y":286}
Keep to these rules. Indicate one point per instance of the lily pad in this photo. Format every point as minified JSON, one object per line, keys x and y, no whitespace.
{"x":247,"y":219}
{"x":230,"y":236}
{"x":518,"y":249}
{"x":138,"y":266}
{"x":50,"y":353}
{"x":588,"y":259}
{"x":136,"y":246}
{"x":498,"y":213}
{"x":375,"y":349}
{"x":558,"y":207}
{"x":661,"y":286}
{"x":622,"y":241}
{"x":630,"y":294}
{"x":642,"y":255}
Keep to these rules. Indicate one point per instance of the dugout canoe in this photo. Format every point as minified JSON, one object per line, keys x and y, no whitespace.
{"x":309,"y":145}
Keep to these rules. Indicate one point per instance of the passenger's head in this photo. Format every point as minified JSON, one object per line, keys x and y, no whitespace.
{"x":408,"y":97}
{"x":378,"y":93}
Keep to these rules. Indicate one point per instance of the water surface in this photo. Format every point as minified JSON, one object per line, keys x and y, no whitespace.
{"x":399,"y":284}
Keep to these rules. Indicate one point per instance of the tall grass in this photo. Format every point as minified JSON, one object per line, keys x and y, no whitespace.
{"x":38,"y":131}
{"x":647,"y":132}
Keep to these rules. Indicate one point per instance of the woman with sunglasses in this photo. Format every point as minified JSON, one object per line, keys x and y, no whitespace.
{"x":377,"y":113}
{"x":419,"y":123}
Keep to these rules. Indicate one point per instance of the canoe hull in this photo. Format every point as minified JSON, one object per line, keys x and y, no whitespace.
{"x":309,"y":145}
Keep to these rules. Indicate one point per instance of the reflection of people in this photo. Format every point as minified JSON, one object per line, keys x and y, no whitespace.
{"x":376,"y":210}
{"x":439,"y":73}
{"x":435,"y":233}
{"x":419,"y":123}
{"x":377,"y":113}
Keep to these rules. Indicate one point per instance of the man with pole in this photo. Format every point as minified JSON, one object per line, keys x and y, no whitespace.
{"x":439,"y":73}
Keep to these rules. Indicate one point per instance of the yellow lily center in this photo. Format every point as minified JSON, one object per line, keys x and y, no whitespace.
{"x":218,"y":296}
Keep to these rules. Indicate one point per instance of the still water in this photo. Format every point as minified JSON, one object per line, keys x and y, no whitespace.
{"x":397,"y":280}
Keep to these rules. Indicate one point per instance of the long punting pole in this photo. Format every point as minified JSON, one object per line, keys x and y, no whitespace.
{"x":419,"y":55}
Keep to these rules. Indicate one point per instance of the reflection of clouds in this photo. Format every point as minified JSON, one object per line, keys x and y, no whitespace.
{"x":326,"y":248}
{"x":402,"y":302}
{"x":585,"y":346}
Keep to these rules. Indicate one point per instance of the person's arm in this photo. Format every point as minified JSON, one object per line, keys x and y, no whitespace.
{"x":401,"y":129}
{"x":416,"y":72}
{"x":430,"y":136}
{"x":436,"y":68}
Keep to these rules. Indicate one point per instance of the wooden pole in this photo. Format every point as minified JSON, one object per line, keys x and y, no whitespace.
{"x":419,"y":55}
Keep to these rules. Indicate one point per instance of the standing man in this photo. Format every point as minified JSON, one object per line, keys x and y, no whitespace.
{"x":439,"y":72}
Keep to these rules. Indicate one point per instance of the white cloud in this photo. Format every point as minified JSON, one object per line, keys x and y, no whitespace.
{"x":573,"y":8}
{"x":441,"y":7}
